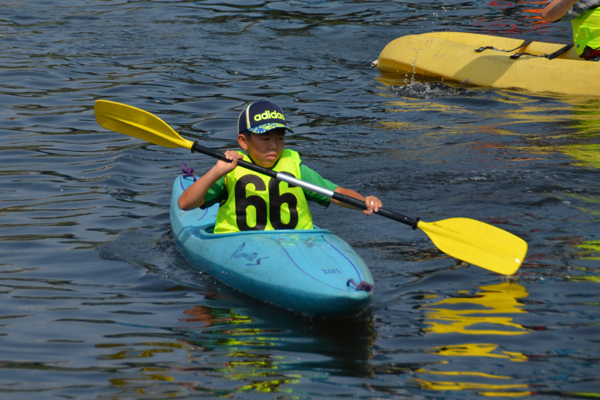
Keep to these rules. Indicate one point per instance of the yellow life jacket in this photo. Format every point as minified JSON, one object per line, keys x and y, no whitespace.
{"x":259,"y":202}
{"x":586,"y":30}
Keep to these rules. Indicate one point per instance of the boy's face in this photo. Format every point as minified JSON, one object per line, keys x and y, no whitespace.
{"x":264,"y":149}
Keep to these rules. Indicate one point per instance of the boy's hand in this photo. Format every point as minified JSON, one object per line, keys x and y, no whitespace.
{"x":373,"y":204}
{"x":193,"y":196}
{"x":226,"y":167}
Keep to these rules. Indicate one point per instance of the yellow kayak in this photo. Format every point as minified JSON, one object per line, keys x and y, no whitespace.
{"x":453,"y":56}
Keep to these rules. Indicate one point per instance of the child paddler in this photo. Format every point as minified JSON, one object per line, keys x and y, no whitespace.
{"x":585,"y":21}
{"x":252,"y":201}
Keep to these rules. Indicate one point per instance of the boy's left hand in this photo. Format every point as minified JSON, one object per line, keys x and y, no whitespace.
{"x":373,"y":205}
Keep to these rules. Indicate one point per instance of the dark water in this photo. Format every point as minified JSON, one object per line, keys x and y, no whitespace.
{"x":96,"y":302}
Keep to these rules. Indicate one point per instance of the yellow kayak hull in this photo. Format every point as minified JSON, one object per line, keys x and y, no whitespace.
{"x":452,"y":56}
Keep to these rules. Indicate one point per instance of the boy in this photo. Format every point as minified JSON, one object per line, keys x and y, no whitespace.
{"x":252,"y":201}
{"x":585,"y":20}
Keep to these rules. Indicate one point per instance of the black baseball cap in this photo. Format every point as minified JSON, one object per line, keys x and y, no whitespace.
{"x":261,"y":117}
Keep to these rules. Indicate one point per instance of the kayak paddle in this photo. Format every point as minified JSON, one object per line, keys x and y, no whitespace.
{"x":468,"y":240}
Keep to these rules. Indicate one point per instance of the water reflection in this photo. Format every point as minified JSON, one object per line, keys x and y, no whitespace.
{"x":588,"y":254}
{"x":587,"y":155}
{"x":589,"y":250}
{"x":247,"y":348}
{"x":485,"y":313}
{"x":296,"y":349}
{"x":508,"y":18}
{"x":478,"y":314}
{"x":580,"y":123}
{"x":209,"y":316}
{"x":478,"y":350}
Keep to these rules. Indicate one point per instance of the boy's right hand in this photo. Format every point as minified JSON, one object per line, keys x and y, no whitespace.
{"x":193,"y":196}
{"x":224,"y":167}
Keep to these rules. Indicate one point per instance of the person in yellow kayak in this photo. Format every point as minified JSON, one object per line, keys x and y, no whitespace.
{"x":252,"y":201}
{"x":585,"y":21}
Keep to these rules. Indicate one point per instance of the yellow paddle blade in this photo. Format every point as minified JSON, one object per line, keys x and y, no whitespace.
{"x":138,"y":123}
{"x":477,"y":243}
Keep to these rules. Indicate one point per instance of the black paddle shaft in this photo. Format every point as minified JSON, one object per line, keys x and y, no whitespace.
{"x":287,"y":178}
{"x":383,"y":212}
{"x":216,"y":154}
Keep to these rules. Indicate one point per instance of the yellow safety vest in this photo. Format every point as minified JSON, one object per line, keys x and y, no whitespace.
{"x":586,"y":30}
{"x":259,"y":202}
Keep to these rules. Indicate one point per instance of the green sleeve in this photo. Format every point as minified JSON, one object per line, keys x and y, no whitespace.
{"x":313,"y":177}
{"x":216,"y":194}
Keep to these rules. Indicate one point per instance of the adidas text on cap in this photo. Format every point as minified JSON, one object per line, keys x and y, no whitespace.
{"x":261,"y":117}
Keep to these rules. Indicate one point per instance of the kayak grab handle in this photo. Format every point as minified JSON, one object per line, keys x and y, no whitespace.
{"x":550,"y":56}
{"x":526,"y":43}
{"x":366,"y":286}
{"x":188,"y":172}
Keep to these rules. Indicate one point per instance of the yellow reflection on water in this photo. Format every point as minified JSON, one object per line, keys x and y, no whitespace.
{"x":580,"y":113}
{"x":478,"y":350}
{"x":259,"y":369}
{"x":470,"y":314}
{"x":213,"y":316}
{"x":400,"y":106}
{"x":257,"y":372}
{"x":590,"y":250}
{"x":526,"y":111}
{"x":582,"y":116}
{"x":229,"y":348}
{"x":464,"y":385}
{"x":453,"y":373}
{"x":485,"y":313}
{"x":587,"y":155}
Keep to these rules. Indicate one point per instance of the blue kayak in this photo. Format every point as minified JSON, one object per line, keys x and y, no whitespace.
{"x":311,"y":271}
